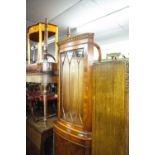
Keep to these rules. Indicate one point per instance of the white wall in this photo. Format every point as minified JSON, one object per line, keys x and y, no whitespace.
{"x":115,"y":46}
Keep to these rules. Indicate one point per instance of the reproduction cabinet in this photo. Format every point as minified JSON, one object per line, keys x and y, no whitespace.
{"x":93,"y":101}
{"x":110,"y":108}
{"x":72,"y":130}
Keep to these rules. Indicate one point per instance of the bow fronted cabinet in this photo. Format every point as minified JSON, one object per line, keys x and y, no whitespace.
{"x":92,"y":101}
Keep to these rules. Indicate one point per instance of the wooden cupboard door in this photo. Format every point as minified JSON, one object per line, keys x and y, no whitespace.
{"x":66,"y":147}
{"x":110,"y":109}
{"x":71,"y":73}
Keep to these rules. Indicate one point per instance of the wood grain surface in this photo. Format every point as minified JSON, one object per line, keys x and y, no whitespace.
{"x":110,"y":108}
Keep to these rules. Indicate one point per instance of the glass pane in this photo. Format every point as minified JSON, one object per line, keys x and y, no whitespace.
{"x":72,"y":69}
{"x":33,"y":52}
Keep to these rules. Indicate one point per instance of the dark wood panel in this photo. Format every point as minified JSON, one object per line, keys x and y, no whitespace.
{"x":35,"y":36}
{"x":65,"y":147}
{"x":31,"y":148}
{"x":110,"y":109}
{"x":39,"y":137}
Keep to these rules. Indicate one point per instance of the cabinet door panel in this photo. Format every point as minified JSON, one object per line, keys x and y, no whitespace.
{"x":65,"y":147}
{"x":72,"y":70}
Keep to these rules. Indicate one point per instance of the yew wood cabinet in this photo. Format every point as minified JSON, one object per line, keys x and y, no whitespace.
{"x":74,"y":130}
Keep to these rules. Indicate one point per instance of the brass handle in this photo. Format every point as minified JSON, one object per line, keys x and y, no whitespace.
{"x":99,"y":52}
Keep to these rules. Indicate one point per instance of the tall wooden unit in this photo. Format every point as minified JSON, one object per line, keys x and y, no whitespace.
{"x":72,"y":130}
{"x":110,"y":108}
{"x":93,"y":101}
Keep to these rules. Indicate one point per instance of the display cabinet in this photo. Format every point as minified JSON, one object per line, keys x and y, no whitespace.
{"x":40,"y":38}
{"x":41,"y":80}
{"x":72,"y":130}
{"x":41,"y":67}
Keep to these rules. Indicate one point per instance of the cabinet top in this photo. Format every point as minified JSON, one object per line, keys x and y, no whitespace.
{"x":76,"y":38}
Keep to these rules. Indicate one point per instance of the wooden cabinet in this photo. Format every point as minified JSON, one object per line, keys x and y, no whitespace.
{"x":93,"y":101}
{"x":72,"y":130}
{"x":39,"y":137}
{"x":110,"y":108}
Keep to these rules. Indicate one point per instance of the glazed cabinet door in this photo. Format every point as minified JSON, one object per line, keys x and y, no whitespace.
{"x":71,"y":73}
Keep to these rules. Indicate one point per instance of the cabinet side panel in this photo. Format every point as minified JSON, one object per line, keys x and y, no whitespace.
{"x":110,"y":129}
